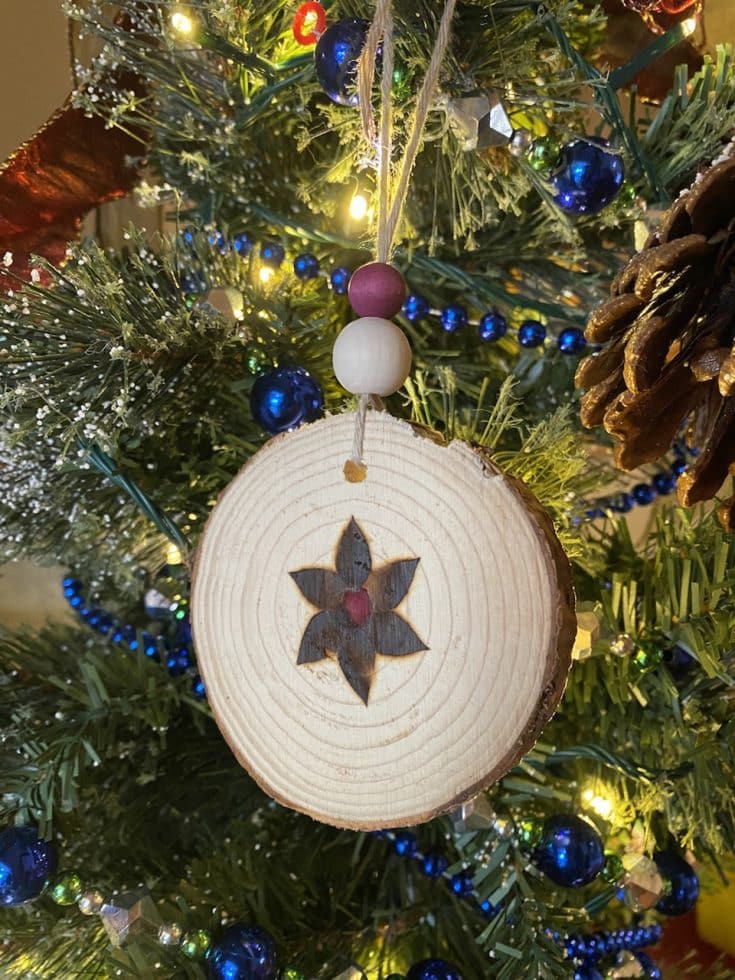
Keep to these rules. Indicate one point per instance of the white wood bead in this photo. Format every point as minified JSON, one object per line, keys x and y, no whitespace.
{"x":371,"y":356}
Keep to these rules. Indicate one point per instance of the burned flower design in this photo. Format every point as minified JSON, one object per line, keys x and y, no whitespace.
{"x":357,"y":619}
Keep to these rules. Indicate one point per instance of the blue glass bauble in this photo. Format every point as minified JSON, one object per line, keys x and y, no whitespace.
{"x":493,"y":326}
{"x":678,"y":466}
{"x":621,"y":503}
{"x":340,"y":280}
{"x":306,"y":266}
{"x":219,"y":241}
{"x":336,"y":57}
{"x":285,"y":398}
{"x":454,"y":318}
{"x":643,"y":493}
{"x":462,"y":884}
{"x":664,"y":483}
{"x":272,"y":254}
{"x":590,"y":175}
{"x":26,"y":864}
{"x":243,"y":953}
{"x":416,"y":307}
{"x":197,"y":688}
{"x":433,"y":970}
{"x":531,"y":333}
{"x":679,"y":661}
{"x":683,"y":880}
{"x":571,"y":341}
{"x":570,"y":851}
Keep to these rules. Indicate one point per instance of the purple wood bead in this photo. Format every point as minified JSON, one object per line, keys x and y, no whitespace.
{"x":377,"y":289}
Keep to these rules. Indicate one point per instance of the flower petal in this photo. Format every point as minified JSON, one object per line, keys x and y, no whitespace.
{"x":358,"y":665}
{"x":394,"y":637}
{"x":353,"y":556}
{"x":320,"y":635}
{"x":320,"y":586}
{"x":389,"y":585}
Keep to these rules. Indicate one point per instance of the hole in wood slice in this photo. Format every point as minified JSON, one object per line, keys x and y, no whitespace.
{"x":376,"y":653}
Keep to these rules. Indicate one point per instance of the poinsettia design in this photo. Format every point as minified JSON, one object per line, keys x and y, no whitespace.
{"x":357,"y":618}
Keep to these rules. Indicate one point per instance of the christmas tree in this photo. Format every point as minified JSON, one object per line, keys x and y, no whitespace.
{"x":543,"y":230}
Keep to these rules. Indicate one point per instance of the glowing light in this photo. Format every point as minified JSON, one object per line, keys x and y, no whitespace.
{"x":266,"y":273}
{"x":689,"y":26}
{"x":182,"y":23}
{"x":600,"y":804}
{"x":358,"y":207}
{"x":173,"y":555}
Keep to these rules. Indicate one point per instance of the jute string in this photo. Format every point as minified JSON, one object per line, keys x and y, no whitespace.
{"x":391,"y":194}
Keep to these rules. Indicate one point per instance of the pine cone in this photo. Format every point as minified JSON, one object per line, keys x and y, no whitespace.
{"x":669,"y":331}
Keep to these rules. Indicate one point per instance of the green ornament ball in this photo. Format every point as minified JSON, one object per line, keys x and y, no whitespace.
{"x":67,"y":888}
{"x":647,"y":657}
{"x":529,"y":831}
{"x":544,"y":155}
{"x":196,"y":943}
{"x":256,"y":360}
{"x":613,"y":869}
{"x":291,"y":973}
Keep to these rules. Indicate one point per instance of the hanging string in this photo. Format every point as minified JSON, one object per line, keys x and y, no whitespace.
{"x":390,"y":207}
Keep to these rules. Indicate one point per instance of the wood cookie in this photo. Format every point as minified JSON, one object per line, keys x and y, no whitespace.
{"x":377,"y":653}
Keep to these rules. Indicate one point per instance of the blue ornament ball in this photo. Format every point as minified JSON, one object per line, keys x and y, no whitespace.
{"x":336,"y":57}
{"x":570,"y":851}
{"x":454,"y":318}
{"x":493,"y":326}
{"x":340,"y":280}
{"x":243,"y":953}
{"x":285,"y":398}
{"x":272,"y":254}
{"x":589,"y":177}
{"x":433,"y":970}
{"x":26,"y":864}
{"x":683,"y":882}
{"x":434,"y":864}
{"x":664,"y":483}
{"x":643,"y":493}
{"x":416,"y":307}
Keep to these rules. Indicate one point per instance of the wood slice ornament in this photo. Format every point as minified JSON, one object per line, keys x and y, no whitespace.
{"x":376,"y":653}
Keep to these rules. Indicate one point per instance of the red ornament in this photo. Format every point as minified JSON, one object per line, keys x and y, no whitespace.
{"x":650,"y":9}
{"x":309,"y":23}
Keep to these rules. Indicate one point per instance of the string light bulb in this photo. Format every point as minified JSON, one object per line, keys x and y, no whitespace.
{"x":182,"y":23}
{"x":600,"y":805}
{"x":173,"y":555}
{"x":266,"y":273}
{"x":689,"y":26}
{"x":358,"y":207}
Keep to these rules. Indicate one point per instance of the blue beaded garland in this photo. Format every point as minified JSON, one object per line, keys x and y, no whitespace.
{"x":643,"y":493}
{"x":570,"y":851}
{"x":243,"y":952}
{"x":285,"y":398}
{"x":197,"y":688}
{"x":454,"y":317}
{"x":416,"y":307}
{"x":242,"y":244}
{"x":217,"y":239}
{"x":404,"y":843}
{"x":589,"y":177}
{"x":664,"y":483}
{"x":587,"y":972}
{"x":571,"y":341}
{"x":340,"y":280}
{"x":335,"y":59}
{"x":306,"y":266}
{"x":272,"y":254}
{"x":26,"y":864}
{"x":621,"y":503}
{"x":678,"y":466}
{"x":492,"y":326}
{"x":531,"y":333}
{"x":683,"y":881}
{"x":462,"y":884}
{"x":433,"y":970}
{"x":434,"y":864}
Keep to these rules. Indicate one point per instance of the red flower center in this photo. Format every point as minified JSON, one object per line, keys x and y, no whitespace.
{"x":357,"y":605}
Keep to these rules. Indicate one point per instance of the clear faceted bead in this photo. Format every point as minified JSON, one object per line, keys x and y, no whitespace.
{"x":351,"y":973}
{"x":628,"y":965}
{"x":480,"y":121}
{"x":622,"y":645}
{"x":170,"y":933}
{"x":643,"y":885}
{"x":130,"y":914}
{"x":91,"y":901}
{"x":521,"y":142}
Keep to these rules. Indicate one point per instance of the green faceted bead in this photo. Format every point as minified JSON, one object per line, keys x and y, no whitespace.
{"x":256,"y":360}
{"x":647,"y":657}
{"x":627,"y":193}
{"x":613,"y":869}
{"x":530,"y":832}
{"x":67,"y":888}
{"x":196,"y":943}
{"x":291,"y":973}
{"x":544,"y":155}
